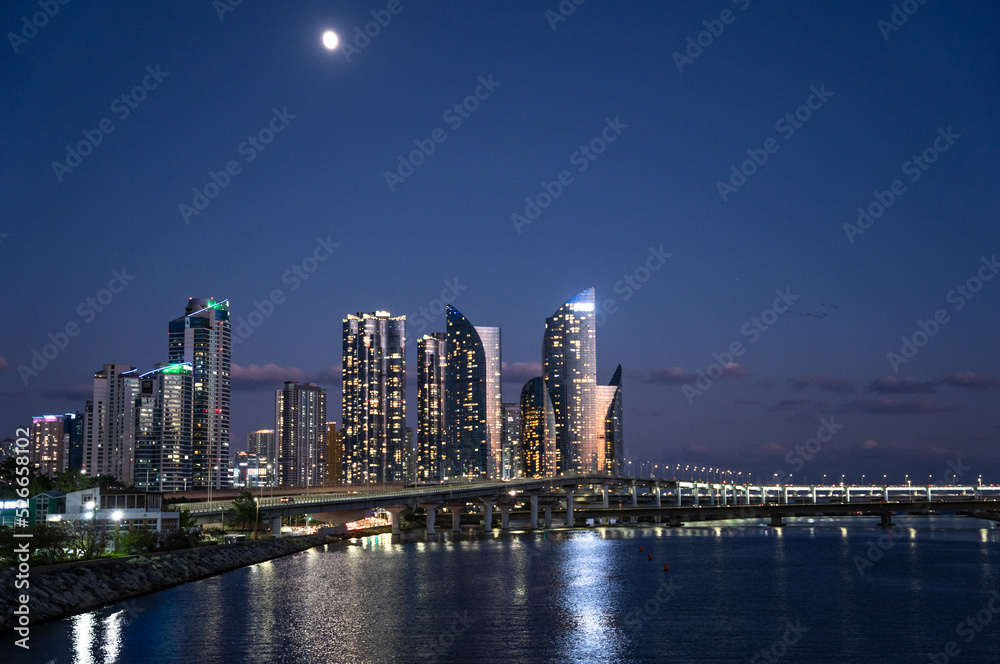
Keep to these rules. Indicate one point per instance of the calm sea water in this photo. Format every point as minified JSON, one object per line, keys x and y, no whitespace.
{"x":822,"y":590}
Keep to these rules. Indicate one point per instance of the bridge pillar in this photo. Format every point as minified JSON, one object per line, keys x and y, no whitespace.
{"x":695,"y":494}
{"x":534,"y":510}
{"x":276,"y":526}
{"x":431,"y":509}
{"x":659,"y":499}
{"x":569,"y":507}
{"x":776,"y":520}
{"x":395,"y":511}
{"x":548,"y":516}
{"x":635,"y":494}
{"x":487,"y":513}
{"x":928,"y":493}
{"x":886,"y":496}
{"x":504,"y":516}
{"x":847,"y":494}
{"x":605,"y":488}
{"x":456,"y":516}
{"x":679,"y":497}
{"x":814,"y":495}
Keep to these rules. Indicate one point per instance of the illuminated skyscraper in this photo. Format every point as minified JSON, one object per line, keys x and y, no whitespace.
{"x":374,"y":398}
{"x":473,"y":401}
{"x":539,"y":456}
{"x":163,"y":428}
{"x":334,"y":455}
{"x":609,"y":422}
{"x":511,"y":448}
{"x":73,"y":429}
{"x":300,"y":431}
{"x":48,"y":444}
{"x":202,"y":338}
{"x":432,"y":358}
{"x":261,"y":443}
{"x":109,"y":443}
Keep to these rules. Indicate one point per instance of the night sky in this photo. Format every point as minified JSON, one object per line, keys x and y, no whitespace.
{"x":627,"y":136}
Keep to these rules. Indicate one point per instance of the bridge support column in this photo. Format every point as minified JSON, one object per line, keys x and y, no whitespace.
{"x":659,"y":499}
{"x":605,"y":488}
{"x":886,"y":495}
{"x":276,"y":526}
{"x":776,"y":520}
{"x":504,"y":516}
{"x":534,"y":511}
{"x":635,"y":494}
{"x":431,"y":509}
{"x":456,"y":516}
{"x":548,"y":516}
{"x":695,"y":494}
{"x":847,"y":494}
{"x":395,"y":511}
{"x":679,"y":497}
{"x":487,"y":513}
{"x":569,"y":507}
{"x":814,"y":495}
{"x":928,"y":493}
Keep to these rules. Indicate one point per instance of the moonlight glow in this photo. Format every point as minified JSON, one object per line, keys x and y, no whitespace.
{"x":330,"y":39}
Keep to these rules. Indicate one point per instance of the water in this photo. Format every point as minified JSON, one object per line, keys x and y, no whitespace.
{"x":810,"y":592}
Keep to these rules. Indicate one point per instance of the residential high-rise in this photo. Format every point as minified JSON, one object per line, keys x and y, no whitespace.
{"x":262,"y":448}
{"x":512,"y":441}
{"x":164,"y":414}
{"x":300,"y":432}
{"x":609,"y":422}
{"x":432,"y":357}
{"x":73,"y":429}
{"x":374,"y":398}
{"x":109,"y":430}
{"x":539,"y":455}
{"x":334,"y":455}
{"x":48,"y":444}
{"x":202,"y":337}
{"x":473,"y":400}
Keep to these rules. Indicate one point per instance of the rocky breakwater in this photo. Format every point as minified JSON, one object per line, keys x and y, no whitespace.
{"x":59,"y":591}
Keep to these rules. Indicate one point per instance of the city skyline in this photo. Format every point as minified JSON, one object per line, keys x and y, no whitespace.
{"x":778,"y":245}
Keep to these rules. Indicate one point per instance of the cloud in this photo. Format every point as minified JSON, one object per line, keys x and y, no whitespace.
{"x":521,"y":372}
{"x":746,"y":402}
{"x":678,"y":376}
{"x":889,"y":406}
{"x":967,"y":379}
{"x":788,"y":404}
{"x":869,"y":444}
{"x":80,"y":392}
{"x":902,"y":385}
{"x":827,"y":383}
{"x":4,"y":364}
{"x":767,"y":383}
{"x":770,"y":449}
{"x":271,"y":376}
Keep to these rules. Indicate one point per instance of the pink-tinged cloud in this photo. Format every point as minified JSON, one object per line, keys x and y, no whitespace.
{"x":869,"y":444}
{"x":969,"y":379}
{"x":900,"y":385}
{"x":889,"y":406}
{"x":679,"y":376}
{"x":4,"y":365}
{"x":827,"y":383}
{"x":271,"y":376}
{"x":521,"y":372}
{"x":770,"y":449}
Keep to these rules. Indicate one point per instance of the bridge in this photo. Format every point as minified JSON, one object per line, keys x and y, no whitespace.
{"x":670,"y":501}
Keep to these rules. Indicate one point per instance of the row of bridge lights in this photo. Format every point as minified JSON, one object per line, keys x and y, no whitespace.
{"x":730,"y":476}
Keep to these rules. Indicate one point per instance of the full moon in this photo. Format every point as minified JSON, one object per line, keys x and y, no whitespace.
{"x":330,"y":39}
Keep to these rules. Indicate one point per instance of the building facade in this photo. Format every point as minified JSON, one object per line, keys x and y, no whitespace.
{"x":432,"y":358}
{"x":539,"y":454}
{"x":49,"y":444}
{"x":164,"y":415}
{"x":374,"y":398}
{"x":512,"y":467}
{"x":334,"y":455}
{"x":202,"y":338}
{"x":300,"y":431}
{"x":109,"y":429}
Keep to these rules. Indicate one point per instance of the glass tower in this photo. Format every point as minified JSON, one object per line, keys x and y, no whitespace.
{"x":109,"y":430}
{"x":539,"y":456}
{"x":163,"y":428}
{"x":432,"y":358}
{"x":374,"y":398}
{"x":300,"y":432}
{"x":202,"y":338}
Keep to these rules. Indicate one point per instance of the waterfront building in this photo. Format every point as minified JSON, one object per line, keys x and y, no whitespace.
{"x":73,"y":430}
{"x":164,"y":415}
{"x":432,"y":358}
{"x":48,"y":444}
{"x":334,"y":454}
{"x":539,"y":454}
{"x":300,"y":431}
{"x":374,"y":398}
{"x":109,"y":428}
{"x":511,"y":448}
{"x":202,"y":338}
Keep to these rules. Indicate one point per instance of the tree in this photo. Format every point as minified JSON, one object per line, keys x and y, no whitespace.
{"x":244,"y":510}
{"x":186,"y":521}
{"x":9,"y":479}
{"x":71,"y":480}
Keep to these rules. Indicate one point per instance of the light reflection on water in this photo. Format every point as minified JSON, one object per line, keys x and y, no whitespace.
{"x":581,"y":596}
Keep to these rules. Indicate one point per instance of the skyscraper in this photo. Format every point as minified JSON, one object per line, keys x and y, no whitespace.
{"x":432,"y":357}
{"x":48,"y":444}
{"x":512,"y":441}
{"x":539,"y":456}
{"x":473,"y":401}
{"x":202,"y":338}
{"x":334,"y":455}
{"x":374,"y":398}
{"x":163,"y":428}
{"x":73,"y":429}
{"x":300,"y":431}
{"x":609,"y":422}
{"x":109,"y":444}
{"x":261,"y":443}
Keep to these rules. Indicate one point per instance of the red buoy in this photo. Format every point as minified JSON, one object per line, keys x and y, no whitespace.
{"x":640,"y":548}
{"x":650,"y":556}
{"x":666,"y":568}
